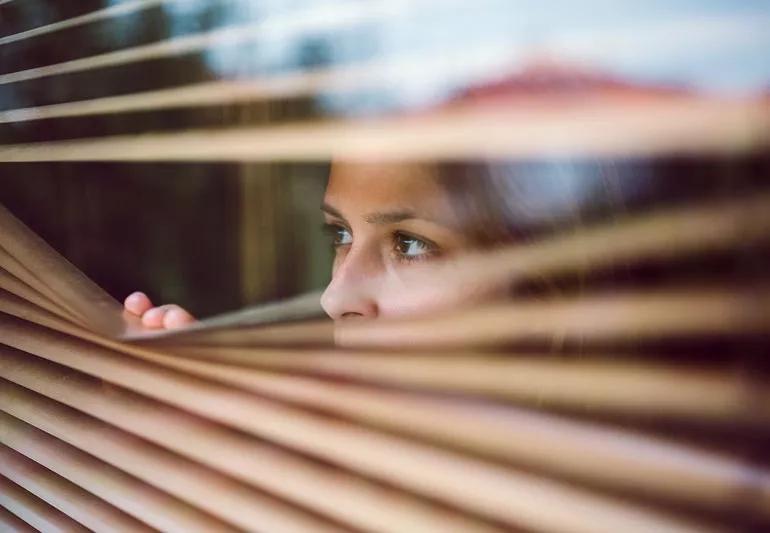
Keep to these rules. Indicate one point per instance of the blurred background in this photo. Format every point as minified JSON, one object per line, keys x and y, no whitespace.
{"x":212,"y":238}
{"x":220,"y":232}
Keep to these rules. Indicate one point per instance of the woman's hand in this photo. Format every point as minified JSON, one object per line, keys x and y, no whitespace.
{"x":164,"y":316}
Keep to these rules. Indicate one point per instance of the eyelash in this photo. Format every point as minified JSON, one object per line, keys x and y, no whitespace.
{"x":397,"y":237}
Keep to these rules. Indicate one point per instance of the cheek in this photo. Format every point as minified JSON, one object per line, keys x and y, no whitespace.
{"x":397,"y":299}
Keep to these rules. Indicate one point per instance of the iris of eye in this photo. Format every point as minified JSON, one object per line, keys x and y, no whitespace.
{"x":411,"y":246}
{"x":342,"y":236}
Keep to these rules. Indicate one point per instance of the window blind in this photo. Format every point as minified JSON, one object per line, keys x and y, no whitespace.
{"x":636,"y":409}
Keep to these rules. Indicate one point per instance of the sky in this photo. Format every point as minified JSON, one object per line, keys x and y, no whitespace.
{"x":440,"y":46}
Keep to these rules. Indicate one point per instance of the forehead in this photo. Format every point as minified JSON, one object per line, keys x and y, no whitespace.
{"x":366,"y":187}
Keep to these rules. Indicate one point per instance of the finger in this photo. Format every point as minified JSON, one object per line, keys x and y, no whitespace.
{"x":167,"y":316}
{"x":137,"y":303}
{"x":153,"y":318}
{"x":176,"y":317}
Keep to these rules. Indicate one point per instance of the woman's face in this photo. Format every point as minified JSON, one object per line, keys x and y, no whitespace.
{"x":388,"y":222}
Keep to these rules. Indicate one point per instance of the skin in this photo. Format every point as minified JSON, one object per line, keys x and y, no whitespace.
{"x":162,"y":317}
{"x":388,"y":222}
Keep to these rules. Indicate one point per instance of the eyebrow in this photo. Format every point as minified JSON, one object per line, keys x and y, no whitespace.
{"x":326,"y":208}
{"x":389,"y":217}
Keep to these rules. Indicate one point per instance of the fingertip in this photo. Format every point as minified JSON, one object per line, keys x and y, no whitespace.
{"x":137,"y":303}
{"x":153,"y":318}
{"x":177,"y":317}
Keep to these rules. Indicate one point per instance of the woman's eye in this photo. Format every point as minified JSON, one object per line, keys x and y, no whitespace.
{"x":341,"y":236}
{"x":409,"y":247}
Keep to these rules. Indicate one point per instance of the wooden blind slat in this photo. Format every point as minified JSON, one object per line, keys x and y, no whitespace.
{"x":352,"y":447}
{"x":596,"y":384}
{"x":34,"y":511}
{"x":646,"y":129}
{"x":79,"y":462}
{"x":82,"y":506}
{"x":179,"y":494}
{"x":123,"y":8}
{"x":324,"y":18}
{"x":276,"y":471}
{"x":509,"y":433}
{"x":10,"y":523}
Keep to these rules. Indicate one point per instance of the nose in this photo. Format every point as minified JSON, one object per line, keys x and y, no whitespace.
{"x":352,"y":291}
